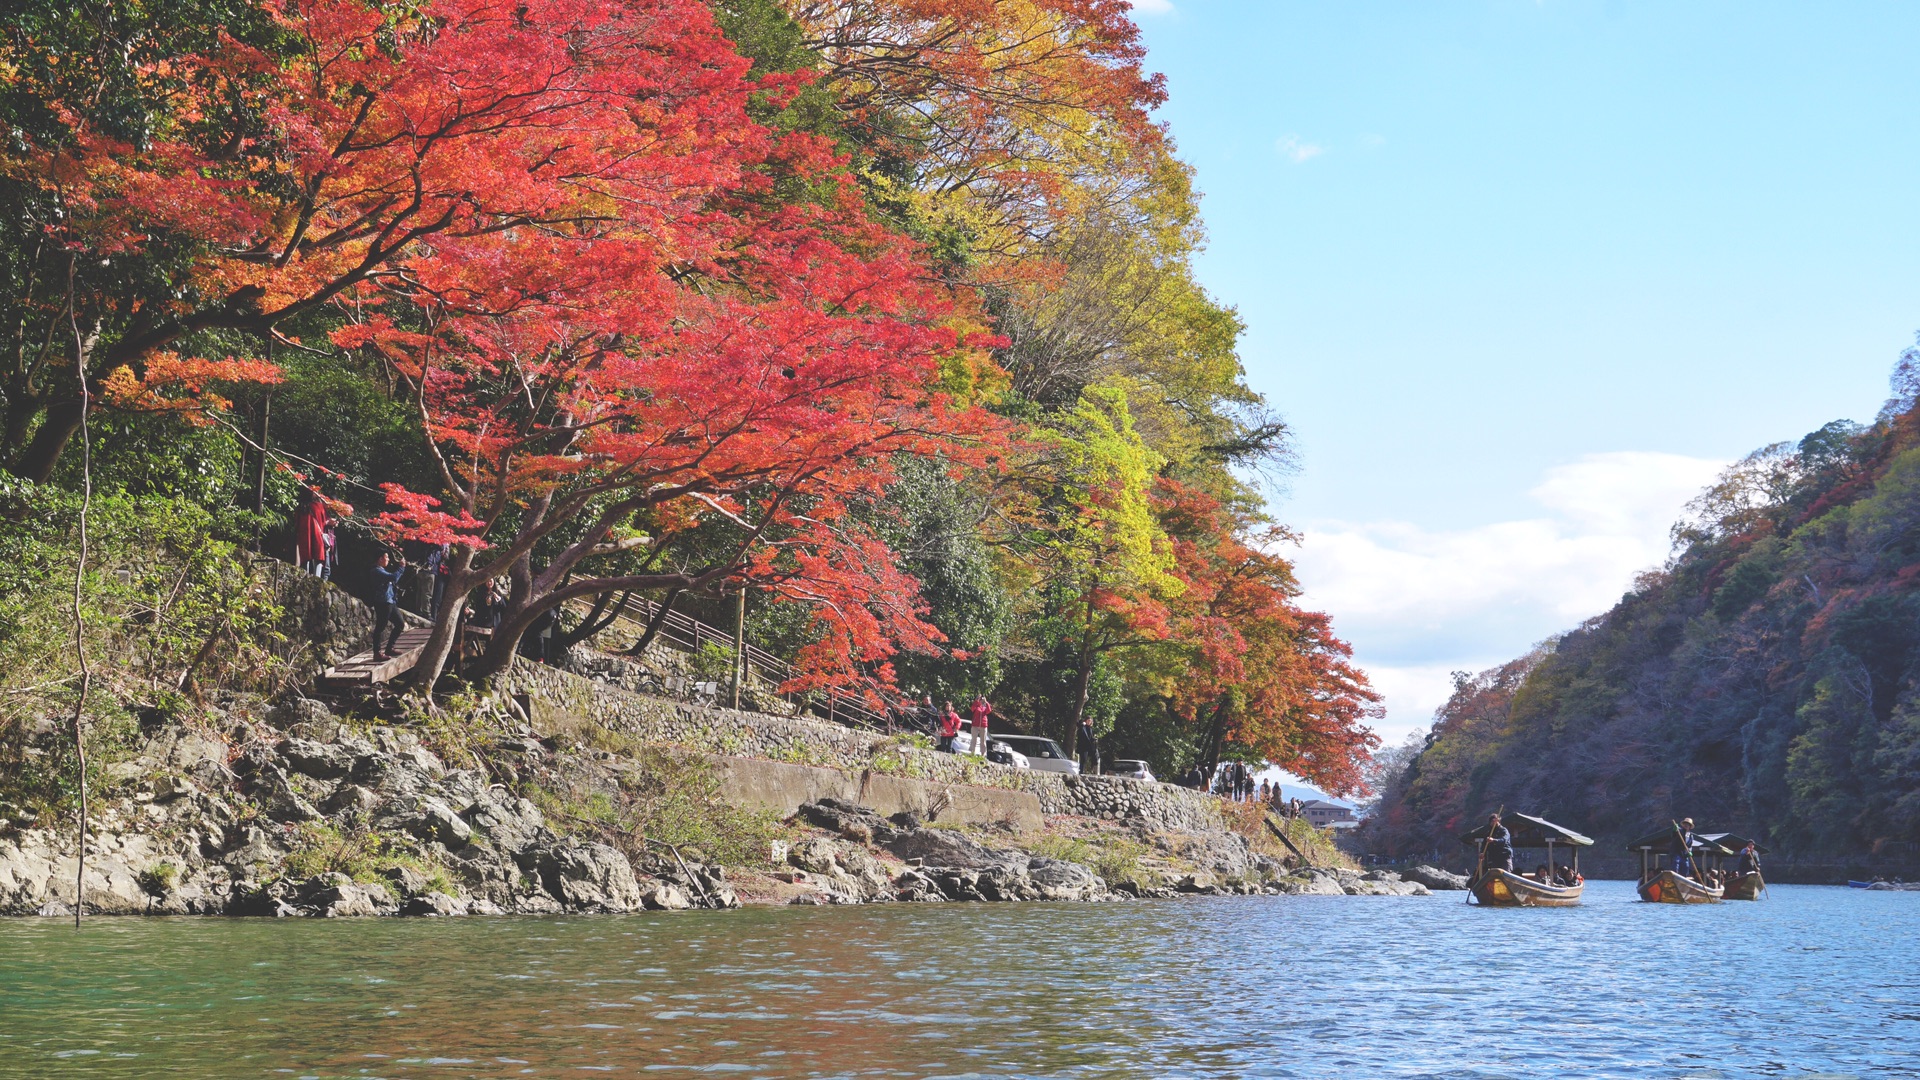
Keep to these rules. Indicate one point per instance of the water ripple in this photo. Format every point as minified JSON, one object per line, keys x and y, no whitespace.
{"x":1809,"y":983}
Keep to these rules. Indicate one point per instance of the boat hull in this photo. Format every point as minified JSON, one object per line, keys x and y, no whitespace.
{"x":1744,"y":886}
{"x":1667,"y":887}
{"x":1501,"y":888}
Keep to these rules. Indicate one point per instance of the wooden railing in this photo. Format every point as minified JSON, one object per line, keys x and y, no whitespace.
{"x":688,"y":634}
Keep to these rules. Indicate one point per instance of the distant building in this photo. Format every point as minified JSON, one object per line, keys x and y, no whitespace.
{"x":1321,"y":813}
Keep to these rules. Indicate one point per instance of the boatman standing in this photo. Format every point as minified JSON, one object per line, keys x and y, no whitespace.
{"x":1683,"y":862}
{"x":1749,"y":859}
{"x":1498,"y":854}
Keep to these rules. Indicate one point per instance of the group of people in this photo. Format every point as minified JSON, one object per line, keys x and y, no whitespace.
{"x":943,"y":723}
{"x":486,"y":605}
{"x":1562,"y":875}
{"x":1233,"y":780}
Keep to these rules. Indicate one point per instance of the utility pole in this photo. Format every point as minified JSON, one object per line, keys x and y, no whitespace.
{"x":739,"y":644}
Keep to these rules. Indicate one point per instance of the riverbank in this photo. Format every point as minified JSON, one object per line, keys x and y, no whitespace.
{"x":294,"y":810}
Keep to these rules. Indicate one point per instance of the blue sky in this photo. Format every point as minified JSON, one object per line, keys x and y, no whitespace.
{"x":1523,"y":276}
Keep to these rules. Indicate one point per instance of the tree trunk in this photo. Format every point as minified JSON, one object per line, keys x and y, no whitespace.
{"x":597,"y":620}
{"x":1081,"y":684}
{"x":655,"y":624}
{"x":42,"y":453}
{"x":1216,"y":736}
{"x":506,"y":640}
{"x":445,"y":637}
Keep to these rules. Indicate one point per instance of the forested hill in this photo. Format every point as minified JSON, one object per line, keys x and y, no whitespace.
{"x":1766,"y":679}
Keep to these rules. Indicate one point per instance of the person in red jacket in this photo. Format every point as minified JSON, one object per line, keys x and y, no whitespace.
{"x":979,"y":712}
{"x":310,"y":534}
{"x":949,"y":728}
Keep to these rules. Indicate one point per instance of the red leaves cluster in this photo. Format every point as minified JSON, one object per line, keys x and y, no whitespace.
{"x":1267,"y":675}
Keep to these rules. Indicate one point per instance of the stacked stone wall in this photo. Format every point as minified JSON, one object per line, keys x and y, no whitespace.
{"x":557,"y":699}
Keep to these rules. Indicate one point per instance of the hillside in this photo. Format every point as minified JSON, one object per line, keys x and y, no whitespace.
{"x":1764,"y":680}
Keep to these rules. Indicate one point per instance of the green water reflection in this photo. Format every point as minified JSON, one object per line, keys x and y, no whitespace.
{"x":1248,"y":987}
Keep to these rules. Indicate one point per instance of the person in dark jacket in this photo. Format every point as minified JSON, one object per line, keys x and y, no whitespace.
{"x":1749,"y":859}
{"x":387,"y":573}
{"x":1498,"y":854}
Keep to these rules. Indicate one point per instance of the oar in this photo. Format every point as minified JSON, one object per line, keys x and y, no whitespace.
{"x":1481,"y":864}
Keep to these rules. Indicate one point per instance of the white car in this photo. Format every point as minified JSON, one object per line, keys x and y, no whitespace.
{"x":997,"y":751}
{"x":1131,"y":767}
{"x":1045,"y":754}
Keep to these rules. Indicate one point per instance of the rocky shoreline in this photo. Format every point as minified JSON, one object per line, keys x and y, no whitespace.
{"x":303,"y":815}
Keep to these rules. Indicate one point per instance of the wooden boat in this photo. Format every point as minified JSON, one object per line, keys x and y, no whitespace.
{"x":1667,"y":887}
{"x":1744,"y":886}
{"x":1738,"y":886}
{"x":1504,"y":888}
{"x":1495,"y":887}
{"x":1662,"y":884}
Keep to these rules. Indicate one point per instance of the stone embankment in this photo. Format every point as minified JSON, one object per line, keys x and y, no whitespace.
{"x":560,"y":699}
{"x":288,"y":809}
{"x":208,"y":828}
{"x":307,"y":816}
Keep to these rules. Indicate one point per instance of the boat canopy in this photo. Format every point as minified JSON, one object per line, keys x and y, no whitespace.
{"x":1530,"y":831}
{"x":1666,"y":842}
{"x":1732,"y":841}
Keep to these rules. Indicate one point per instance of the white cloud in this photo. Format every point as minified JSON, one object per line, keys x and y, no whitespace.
{"x":1297,"y":150}
{"x":1153,"y":7}
{"x":1420,"y":603}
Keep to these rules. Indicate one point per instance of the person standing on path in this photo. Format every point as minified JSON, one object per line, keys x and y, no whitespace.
{"x":386,"y":603}
{"x":949,"y":728}
{"x":980,"y":713}
{"x":310,"y":534}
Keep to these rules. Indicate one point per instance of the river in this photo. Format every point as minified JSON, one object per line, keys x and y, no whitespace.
{"x":1809,"y":982}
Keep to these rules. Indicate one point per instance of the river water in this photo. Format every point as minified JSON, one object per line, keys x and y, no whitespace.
{"x":1809,"y":982}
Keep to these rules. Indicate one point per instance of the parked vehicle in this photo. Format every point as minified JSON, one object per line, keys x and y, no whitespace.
{"x":1129,"y":767}
{"x":998,"y":751}
{"x":1044,"y":754}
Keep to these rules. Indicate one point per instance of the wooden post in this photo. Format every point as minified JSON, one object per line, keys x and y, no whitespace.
{"x":739,"y":644}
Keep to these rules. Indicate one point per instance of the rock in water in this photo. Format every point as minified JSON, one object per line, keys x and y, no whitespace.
{"x":1434,"y":878}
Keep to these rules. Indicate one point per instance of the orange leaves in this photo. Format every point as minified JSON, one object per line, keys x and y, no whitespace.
{"x":176,"y":384}
{"x":1274,"y":674}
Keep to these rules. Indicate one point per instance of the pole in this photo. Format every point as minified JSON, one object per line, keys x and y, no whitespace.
{"x":739,"y":643}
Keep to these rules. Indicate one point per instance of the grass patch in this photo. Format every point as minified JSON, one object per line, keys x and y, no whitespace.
{"x":672,"y":797}
{"x":1115,"y":859}
{"x":362,"y":855}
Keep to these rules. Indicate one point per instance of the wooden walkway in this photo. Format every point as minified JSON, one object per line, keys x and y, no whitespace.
{"x":361,"y":668}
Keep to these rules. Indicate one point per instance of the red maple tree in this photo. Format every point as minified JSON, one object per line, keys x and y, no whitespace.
{"x":1265,"y":674}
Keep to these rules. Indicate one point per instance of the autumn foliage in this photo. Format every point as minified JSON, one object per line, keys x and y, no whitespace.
{"x":881,"y":309}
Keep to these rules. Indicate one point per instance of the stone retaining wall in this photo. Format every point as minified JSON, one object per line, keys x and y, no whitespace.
{"x":556,"y":700}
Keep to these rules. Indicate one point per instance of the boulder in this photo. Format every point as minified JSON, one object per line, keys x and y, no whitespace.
{"x":589,"y":877}
{"x":854,"y":822}
{"x":436,"y":904}
{"x":322,"y":761}
{"x":1311,"y":885}
{"x":1057,"y":879}
{"x":666,"y":897}
{"x":407,"y":881}
{"x":1434,"y":878}
{"x":947,"y":848}
{"x":436,"y":821}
